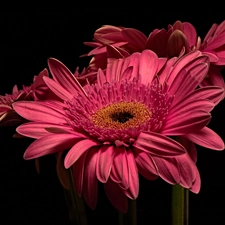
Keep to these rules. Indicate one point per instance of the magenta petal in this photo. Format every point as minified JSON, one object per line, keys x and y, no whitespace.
{"x":104,"y":163}
{"x":135,"y":37}
{"x":115,"y":195}
{"x":63,"y":76}
{"x":77,"y":150}
{"x":148,"y":66}
{"x":190,"y":147}
{"x":146,"y":166}
{"x":167,"y":169}
{"x":206,"y":138}
{"x":119,"y":167}
{"x":57,"y":89}
{"x":40,"y":129}
{"x":187,"y":170}
{"x":78,"y":173}
{"x":133,"y":190}
{"x":196,"y":185}
{"x":212,"y":93}
{"x":190,"y":79}
{"x":185,"y":123}
{"x":42,"y":111}
{"x":101,"y":78}
{"x":90,"y":187}
{"x":49,"y":144}
{"x":158,"y":144}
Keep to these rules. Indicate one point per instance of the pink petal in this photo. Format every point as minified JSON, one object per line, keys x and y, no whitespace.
{"x":206,"y":138}
{"x":116,"y":196}
{"x":185,"y":123}
{"x":104,"y":163}
{"x":77,"y":150}
{"x":190,"y":105}
{"x":196,"y":185}
{"x":145,"y":165}
{"x":78,"y":173}
{"x":58,"y":89}
{"x":64,"y":77}
{"x":133,"y":190}
{"x":148,"y":66}
{"x":184,"y":63}
{"x":40,"y":129}
{"x":189,"y":79}
{"x":101,"y":79}
{"x":167,"y":169}
{"x":119,"y":172}
{"x":158,"y":144}
{"x":187,"y":170}
{"x":49,"y":144}
{"x":212,"y":93}
{"x":190,"y":147}
{"x":90,"y":187}
{"x":190,"y":32}
{"x":37,"y":111}
{"x":135,"y":38}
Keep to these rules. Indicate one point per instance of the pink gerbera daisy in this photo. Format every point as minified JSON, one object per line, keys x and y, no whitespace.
{"x":179,"y":39}
{"x":38,"y":90}
{"x":124,"y":124}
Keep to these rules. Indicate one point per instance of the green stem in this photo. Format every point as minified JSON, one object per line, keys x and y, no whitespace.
{"x":75,"y":204}
{"x":180,"y":205}
{"x":129,"y":218}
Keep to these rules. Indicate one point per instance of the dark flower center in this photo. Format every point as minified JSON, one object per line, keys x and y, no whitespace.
{"x":121,"y":117}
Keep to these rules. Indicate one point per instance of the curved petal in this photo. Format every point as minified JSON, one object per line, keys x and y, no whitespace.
{"x":186,"y":123}
{"x":148,"y":66}
{"x":145,"y":165}
{"x":37,"y":111}
{"x":189,"y":79}
{"x":90,"y":187}
{"x":58,"y":89}
{"x":40,"y":129}
{"x":206,"y":138}
{"x":196,"y":185}
{"x":62,"y":172}
{"x":104,"y":162}
{"x":133,"y":190}
{"x":135,"y":38}
{"x":187,"y":170}
{"x":158,"y":144}
{"x":115,"y":195}
{"x":77,"y":150}
{"x":49,"y":144}
{"x":190,"y":147}
{"x":167,"y":169}
{"x":78,"y":173}
{"x":64,"y":77}
{"x":119,"y":172}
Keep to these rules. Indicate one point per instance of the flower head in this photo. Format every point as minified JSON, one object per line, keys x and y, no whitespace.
{"x":124,"y":124}
{"x":38,"y":90}
{"x":179,"y":39}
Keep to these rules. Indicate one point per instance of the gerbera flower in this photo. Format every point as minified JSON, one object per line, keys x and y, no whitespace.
{"x":124,"y":124}
{"x":179,"y":39}
{"x":38,"y":90}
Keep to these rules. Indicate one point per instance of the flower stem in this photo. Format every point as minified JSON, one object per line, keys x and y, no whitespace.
{"x":129,"y":218}
{"x":75,"y":204}
{"x":180,"y":205}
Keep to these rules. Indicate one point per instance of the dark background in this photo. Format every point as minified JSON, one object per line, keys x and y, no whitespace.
{"x":27,"y":41}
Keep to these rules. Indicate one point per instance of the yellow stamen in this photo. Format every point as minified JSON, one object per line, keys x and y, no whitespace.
{"x":121,"y":115}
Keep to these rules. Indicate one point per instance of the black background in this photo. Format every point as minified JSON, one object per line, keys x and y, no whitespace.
{"x":27,"y":41}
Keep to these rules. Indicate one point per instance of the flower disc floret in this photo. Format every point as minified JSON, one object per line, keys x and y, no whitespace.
{"x":119,"y":111}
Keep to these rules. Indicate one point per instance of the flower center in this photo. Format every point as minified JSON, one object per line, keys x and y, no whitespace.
{"x":121,"y":115}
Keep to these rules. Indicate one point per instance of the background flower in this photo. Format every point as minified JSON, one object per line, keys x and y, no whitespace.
{"x":116,"y":42}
